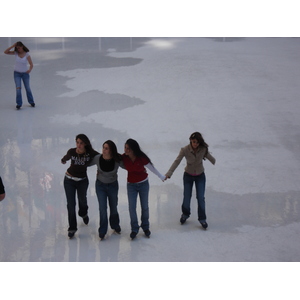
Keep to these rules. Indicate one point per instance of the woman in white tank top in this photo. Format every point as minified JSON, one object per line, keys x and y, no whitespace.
{"x":21,"y":71}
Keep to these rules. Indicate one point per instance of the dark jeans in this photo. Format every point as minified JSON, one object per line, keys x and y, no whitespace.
{"x":133,"y":190}
{"x":108,"y":191}
{"x":188,"y":181}
{"x":71,"y":187}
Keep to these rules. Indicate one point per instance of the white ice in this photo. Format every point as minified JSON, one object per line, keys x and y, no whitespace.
{"x":241,"y":93}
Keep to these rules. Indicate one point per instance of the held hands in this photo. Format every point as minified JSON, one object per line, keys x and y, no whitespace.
{"x":166,"y":177}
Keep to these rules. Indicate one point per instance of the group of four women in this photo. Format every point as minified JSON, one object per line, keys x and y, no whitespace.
{"x":134,"y":160}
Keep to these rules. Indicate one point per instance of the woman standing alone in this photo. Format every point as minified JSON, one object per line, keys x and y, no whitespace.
{"x":195,"y":153}
{"x":76,"y":180}
{"x":21,"y":71}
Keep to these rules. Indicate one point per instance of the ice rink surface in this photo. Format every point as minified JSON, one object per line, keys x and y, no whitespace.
{"x":242,"y":94}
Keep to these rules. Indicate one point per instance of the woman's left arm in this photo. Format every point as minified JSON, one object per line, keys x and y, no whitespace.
{"x":94,"y":161}
{"x":155,"y":171}
{"x":122,"y":164}
{"x":30,"y":64}
{"x":210,"y":158}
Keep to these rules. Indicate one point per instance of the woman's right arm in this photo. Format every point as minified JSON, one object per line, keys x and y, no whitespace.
{"x":9,"y":51}
{"x":175,"y":163}
{"x":66,"y":157}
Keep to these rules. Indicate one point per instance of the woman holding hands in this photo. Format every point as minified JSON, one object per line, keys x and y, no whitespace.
{"x":76,"y":180}
{"x":135,"y":161}
{"x":195,"y":152}
{"x":107,"y":187}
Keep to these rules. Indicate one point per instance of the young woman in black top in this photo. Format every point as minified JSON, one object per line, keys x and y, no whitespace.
{"x":76,"y":180}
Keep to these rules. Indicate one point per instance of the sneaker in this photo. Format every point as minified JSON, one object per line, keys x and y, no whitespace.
{"x":204,"y":224}
{"x":32,"y":104}
{"x":86,"y":219}
{"x":183,"y":219}
{"x":147,"y":233}
{"x":18,"y":106}
{"x":71,"y":233}
{"x":118,"y":230}
{"x":133,"y":235}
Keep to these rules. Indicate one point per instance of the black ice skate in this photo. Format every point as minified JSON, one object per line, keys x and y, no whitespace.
{"x":204,"y":225}
{"x":147,"y":233}
{"x":133,"y":235}
{"x":86,"y":219}
{"x":71,"y":233}
{"x":183,"y":219}
{"x":118,"y":230}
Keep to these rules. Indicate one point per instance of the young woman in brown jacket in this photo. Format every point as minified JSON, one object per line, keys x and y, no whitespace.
{"x":194,"y":153}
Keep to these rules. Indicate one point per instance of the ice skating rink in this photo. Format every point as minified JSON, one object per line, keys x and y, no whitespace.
{"x":241,"y":93}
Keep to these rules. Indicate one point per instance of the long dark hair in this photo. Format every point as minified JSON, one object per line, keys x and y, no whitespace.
{"x":198,"y":136}
{"x":20,"y":44}
{"x":113,"y":150}
{"x":88,"y":146}
{"x":135,"y":147}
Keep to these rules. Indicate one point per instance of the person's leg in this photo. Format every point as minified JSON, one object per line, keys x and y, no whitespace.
{"x":82,"y":187}
{"x":187,"y":195}
{"x":17,"y":79}
{"x":26,"y":81}
{"x":114,"y":220}
{"x":132,"y":201}
{"x":70,"y":190}
{"x":101,"y":191}
{"x":200,"y":194}
{"x":144,"y":200}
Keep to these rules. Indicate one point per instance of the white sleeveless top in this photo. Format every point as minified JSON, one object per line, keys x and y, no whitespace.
{"x":21,"y":64}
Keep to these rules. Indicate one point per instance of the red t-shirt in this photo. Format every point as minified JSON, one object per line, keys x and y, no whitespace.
{"x":136,"y":169}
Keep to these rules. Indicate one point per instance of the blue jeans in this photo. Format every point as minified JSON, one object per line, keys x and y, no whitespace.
{"x":133,"y":190}
{"x":18,"y":77}
{"x":71,"y":187}
{"x":108,"y":191}
{"x":188,"y":181}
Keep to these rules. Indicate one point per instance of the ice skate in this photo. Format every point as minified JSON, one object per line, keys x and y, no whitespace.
{"x":86,"y":219}
{"x":133,"y":235}
{"x":183,"y":219}
{"x":204,"y":225}
{"x":118,"y":230}
{"x":147,"y":233}
{"x":71,"y":233}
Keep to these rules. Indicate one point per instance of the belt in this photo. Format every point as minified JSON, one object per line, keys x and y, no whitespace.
{"x":74,"y":178}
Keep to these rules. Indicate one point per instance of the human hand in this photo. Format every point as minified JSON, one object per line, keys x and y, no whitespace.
{"x":166,"y":177}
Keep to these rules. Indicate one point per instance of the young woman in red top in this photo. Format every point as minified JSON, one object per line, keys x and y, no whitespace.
{"x":135,"y":161}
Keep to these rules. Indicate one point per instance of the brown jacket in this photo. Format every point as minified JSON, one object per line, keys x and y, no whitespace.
{"x":194,"y":161}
